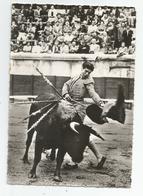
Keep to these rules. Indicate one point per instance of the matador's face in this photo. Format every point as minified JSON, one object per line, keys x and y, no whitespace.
{"x":85,"y":73}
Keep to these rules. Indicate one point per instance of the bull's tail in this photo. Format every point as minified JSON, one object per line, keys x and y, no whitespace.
{"x":121,"y":96}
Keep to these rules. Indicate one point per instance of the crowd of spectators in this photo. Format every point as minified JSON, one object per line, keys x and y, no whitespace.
{"x":76,"y":29}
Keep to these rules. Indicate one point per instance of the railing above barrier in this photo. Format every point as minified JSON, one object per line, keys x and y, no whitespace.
{"x":29,"y":99}
{"x":77,"y":57}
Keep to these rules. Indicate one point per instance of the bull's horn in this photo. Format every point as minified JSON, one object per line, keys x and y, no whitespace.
{"x":92,"y":131}
{"x":72,"y":126}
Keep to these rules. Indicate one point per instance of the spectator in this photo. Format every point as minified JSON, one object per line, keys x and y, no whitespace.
{"x":83,"y":48}
{"x":52,"y":14}
{"x":48,"y":28}
{"x":44,"y":47}
{"x":39,"y":30}
{"x":59,"y":19}
{"x":22,"y":33}
{"x":122,"y":50}
{"x":81,"y":13}
{"x":105,"y":18}
{"x":36,"y":48}
{"x":37,"y":12}
{"x":131,"y":49}
{"x":27,"y":47}
{"x":92,"y":27}
{"x":64,"y":48}
{"x":127,"y":36}
{"x":67,"y":28}
{"x":14,"y":46}
{"x":94,"y":47}
{"x":90,"y":15}
{"x":56,"y":47}
{"x":44,"y":13}
{"x":76,"y":23}
{"x":30,"y":14}
{"x":72,"y":12}
{"x":68,"y":37}
{"x":14,"y":30}
{"x":99,"y":12}
{"x":83,"y":28}
{"x":73,"y":47}
{"x":57,"y":28}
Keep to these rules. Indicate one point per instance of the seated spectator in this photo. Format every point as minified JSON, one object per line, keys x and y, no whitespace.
{"x":56,"y":47}
{"x":73,"y":47}
{"x":94,"y":47}
{"x":64,"y":48}
{"x":81,"y":13}
{"x":59,"y":19}
{"x":39,"y":29}
{"x":37,"y":12}
{"x":127,"y":36}
{"x":131,"y":49}
{"x":67,"y":28}
{"x":83,"y":28}
{"x":52,"y":14}
{"x":68,"y":37}
{"x":27,"y":47}
{"x":30,"y":28}
{"x":57,"y":28}
{"x":105,"y":18}
{"x":44,"y":47}
{"x":72,"y":12}
{"x":76,"y":22}
{"x":92,"y":27}
{"x":36,"y":48}
{"x":30,"y":14}
{"x":14,"y":30}
{"x":22,"y":33}
{"x":44,"y":13}
{"x":122,"y":17}
{"x":83,"y":48}
{"x":14,"y":46}
{"x":101,"y":26}
{"x":122,"y":50}
{"x":90,"y":15}
{"x":60,"y":38}
{"x":99,"y":12}
{"x":48,"y":27}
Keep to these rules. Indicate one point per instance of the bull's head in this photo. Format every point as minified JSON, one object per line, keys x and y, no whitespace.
{"x":114,"y":111}
{"x":77,"y":139}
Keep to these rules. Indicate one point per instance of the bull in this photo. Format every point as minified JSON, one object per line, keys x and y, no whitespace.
{"x":64,"y":130}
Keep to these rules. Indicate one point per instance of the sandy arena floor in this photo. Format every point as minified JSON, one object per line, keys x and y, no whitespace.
{"x":117,"y":148}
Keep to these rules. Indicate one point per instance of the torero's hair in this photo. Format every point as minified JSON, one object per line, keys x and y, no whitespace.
{"x":88,"y":65}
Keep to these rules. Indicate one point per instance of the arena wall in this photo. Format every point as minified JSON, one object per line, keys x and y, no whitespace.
{"x":109,"y":72}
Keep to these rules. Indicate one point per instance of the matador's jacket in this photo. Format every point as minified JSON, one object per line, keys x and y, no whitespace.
{"x":77,"y":88}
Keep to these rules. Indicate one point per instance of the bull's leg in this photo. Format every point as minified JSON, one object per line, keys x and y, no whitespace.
{"x":60,"y":157}
{"x":52,"y":155}
{"x":37,"y":156}
{"x":28,"y":143}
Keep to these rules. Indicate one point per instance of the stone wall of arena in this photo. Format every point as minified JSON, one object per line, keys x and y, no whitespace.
{"x":108,"y":73}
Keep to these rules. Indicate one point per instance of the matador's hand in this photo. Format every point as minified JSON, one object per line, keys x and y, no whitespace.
{"x":67,"y":97}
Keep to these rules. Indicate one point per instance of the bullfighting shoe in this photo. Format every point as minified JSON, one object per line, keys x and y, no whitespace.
{"x":101,"y":163}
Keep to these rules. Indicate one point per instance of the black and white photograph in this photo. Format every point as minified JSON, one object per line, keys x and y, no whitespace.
{"x":73,"y":110}
{"x":71,"y":95}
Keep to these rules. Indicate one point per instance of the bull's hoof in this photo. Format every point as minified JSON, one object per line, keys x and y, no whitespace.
{"x":32,"y":175}
{"x":57,"y":178}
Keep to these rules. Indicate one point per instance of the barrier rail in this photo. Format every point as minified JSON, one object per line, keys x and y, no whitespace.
{"x":28,"y":100}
